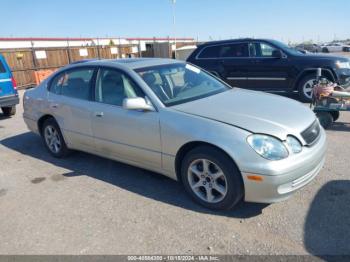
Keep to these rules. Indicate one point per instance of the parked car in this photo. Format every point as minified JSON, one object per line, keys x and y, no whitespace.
{"x":312,"y":48}
{"x":224,"y":144}
{"x":8,"y":89}
{"x":268,"y":65}
{"x":335,"y":47}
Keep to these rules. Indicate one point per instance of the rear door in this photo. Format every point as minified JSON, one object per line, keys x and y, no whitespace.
{"x":70,"y":102}
{"x":268,"y":72}
{"x":6,"y":86}
{"x":229,"y":61}
{"x":236,"y":63}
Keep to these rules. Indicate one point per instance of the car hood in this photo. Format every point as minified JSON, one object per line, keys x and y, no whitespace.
{"x":324,"y":56}
{"x":256,"y":112}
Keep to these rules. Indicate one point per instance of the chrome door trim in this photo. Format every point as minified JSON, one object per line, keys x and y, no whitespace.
{"x":258,"y":78}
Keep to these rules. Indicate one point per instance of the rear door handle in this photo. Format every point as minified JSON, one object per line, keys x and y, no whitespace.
{"x":54,"y":106}
{"x":99,"y":114}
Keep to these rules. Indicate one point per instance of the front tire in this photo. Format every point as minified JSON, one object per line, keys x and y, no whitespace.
{"x":211,"y":178}
{"x":9,"y":110}
{"x":305,"y":87}
{"x":53,"y":139}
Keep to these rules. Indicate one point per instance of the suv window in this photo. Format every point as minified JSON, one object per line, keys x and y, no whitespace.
{"x":2,"y":68}
{"x":112,"y":87}
{"x":227,"y":50}
{"x":261,"y":50}
{"x":76,"y":83}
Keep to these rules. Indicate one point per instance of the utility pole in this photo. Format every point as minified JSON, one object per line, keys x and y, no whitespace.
{"x":174,"y":25}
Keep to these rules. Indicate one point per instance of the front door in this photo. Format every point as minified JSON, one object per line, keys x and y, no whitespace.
{"x":127,"y":135}
{"x":268,"y":72}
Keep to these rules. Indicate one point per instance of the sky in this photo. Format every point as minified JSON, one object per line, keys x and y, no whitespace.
{"x":286,"y":20}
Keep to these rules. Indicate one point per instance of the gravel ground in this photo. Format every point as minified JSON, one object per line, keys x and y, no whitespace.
{"x":89,"y":205}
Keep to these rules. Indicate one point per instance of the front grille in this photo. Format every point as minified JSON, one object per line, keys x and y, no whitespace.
{"x":311,"y":134}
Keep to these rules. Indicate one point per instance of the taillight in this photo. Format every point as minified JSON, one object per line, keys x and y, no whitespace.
{"x":14,"y":83}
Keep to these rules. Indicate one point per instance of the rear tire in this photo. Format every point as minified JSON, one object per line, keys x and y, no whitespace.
{"x":53,"y":139}
{"x":325,"y":50}
{"x":219,"y":186}
{"x":9,"y":110}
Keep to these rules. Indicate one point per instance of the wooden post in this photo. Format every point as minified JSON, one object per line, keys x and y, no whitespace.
{"x":68,"y":52}
{"x":119,"y":49}
{"x":140,"y":52}
{"x":98,"y":48}
{"x":33,"y":55}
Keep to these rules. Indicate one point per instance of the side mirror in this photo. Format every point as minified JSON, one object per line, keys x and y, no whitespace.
{"x":277,"y":53}
{"x":137,"y":103}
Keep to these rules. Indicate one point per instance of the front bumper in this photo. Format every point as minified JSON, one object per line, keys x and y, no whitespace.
{"x":278,"y":187}
{"x":10,"y":100}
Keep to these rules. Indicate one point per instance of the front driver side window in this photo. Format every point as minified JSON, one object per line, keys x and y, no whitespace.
{"x":112,"y":87}
{"x":264,"y":50}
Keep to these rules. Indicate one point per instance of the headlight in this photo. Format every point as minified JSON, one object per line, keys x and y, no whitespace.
{"x":294,"y":144}
{"x":342,"y":65}
{"x":268,"y":147}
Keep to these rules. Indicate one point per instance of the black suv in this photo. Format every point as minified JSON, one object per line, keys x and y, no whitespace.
{"x":268,"y":65}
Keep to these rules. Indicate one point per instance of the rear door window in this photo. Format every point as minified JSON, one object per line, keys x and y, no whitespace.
{"x":225,"y":51}
{"x":210,"y":52}
{"x":76,"y":83}
{"x":234,"y":50}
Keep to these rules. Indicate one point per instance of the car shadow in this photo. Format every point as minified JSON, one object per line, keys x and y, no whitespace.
{"x":340,"y":126}
{"x":2,"y":116}
{"x":327,"y":225}
{"x":139,"y":181}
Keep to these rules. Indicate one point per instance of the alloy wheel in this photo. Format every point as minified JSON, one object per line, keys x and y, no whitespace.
{"x":207,"y":180}
{"x":52,"y":139}
{"x":308,"y":87}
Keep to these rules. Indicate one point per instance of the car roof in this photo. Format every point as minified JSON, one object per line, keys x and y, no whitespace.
{"x":132,"y":63}
{"x":227,"y":41}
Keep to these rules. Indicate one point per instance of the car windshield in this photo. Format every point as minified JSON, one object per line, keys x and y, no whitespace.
{"x":180,"y":83}
{"x":285,"y":47}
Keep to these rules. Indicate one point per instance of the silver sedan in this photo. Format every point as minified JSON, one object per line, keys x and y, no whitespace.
{"x":224,"y":144}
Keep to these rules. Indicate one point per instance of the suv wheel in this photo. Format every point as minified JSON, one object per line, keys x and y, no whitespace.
{"x":211,"y":178}
{"x":305,"y":87}
{"x":53,"y":139}
{"x":9,"y":111}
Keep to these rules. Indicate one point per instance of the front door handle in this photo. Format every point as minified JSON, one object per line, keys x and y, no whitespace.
{"x":54,"y":106}
{"x":99,"y":114}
